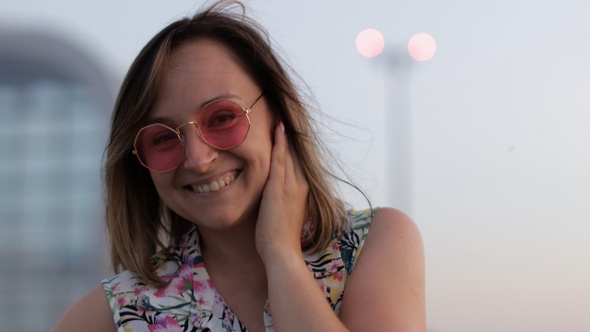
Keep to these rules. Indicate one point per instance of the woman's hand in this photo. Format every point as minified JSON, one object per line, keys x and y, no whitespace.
{"x":278,"y":241}
{"x":283,"y":207}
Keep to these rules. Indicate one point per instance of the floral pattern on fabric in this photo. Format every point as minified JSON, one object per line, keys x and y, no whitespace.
{"x":190,"y":301}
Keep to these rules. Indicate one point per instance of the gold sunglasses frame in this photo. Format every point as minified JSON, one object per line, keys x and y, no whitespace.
{"x":178,"y":134}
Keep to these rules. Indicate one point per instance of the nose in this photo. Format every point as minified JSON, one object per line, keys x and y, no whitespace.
{"x":198,"y":155}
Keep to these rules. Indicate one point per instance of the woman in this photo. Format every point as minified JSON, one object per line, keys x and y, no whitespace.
{"x":222,"y":214}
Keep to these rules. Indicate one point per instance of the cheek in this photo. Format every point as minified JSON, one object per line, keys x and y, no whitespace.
{"x":261,"y":157}
{"x":260,"y":152}
{"x":260,"y":142}
{"x":157,"y":179}
{"x":162,"y":184}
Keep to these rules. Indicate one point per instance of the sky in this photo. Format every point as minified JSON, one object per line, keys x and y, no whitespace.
{"x":496,"y":151}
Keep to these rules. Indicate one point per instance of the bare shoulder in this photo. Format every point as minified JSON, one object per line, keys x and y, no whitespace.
{"x":395,"y":224}
{"x":89,"y":313}
{"x":385,"y":292}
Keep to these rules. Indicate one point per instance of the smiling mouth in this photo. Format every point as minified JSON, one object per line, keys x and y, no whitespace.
{"x":215,"y":185}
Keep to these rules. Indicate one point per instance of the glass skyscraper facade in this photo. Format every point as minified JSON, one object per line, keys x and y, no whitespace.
{"x":53,"y":127}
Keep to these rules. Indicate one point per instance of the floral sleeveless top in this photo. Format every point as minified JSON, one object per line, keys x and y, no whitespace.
{"x":190,"y":302}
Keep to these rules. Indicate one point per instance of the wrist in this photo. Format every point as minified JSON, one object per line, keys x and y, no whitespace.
{"x":281,"y":255}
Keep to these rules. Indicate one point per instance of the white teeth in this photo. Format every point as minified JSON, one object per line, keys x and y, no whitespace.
{"x":215,"y":185}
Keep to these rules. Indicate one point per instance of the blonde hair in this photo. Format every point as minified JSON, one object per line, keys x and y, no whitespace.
{"x":138,"y":222}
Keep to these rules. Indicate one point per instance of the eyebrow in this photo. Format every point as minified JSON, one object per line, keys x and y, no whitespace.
{"x":222,"y":96}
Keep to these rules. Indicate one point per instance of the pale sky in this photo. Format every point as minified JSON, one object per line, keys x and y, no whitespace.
{"x":500,"y":145}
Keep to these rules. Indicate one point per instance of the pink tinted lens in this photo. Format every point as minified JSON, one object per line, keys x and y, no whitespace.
{"x":159,"y":148}
{"x":223,"y":124}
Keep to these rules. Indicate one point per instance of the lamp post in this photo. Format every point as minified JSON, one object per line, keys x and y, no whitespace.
{"x":398,"y":130}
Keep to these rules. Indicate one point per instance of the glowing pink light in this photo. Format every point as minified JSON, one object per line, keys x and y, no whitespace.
{"x":422,"y":47}
{"x":370,"y":43}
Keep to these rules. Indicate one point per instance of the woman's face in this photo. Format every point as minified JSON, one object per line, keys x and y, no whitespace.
{"x":200,"y":72}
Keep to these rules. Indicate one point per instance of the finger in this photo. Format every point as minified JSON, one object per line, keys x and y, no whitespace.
{"x":296,"y":165}
{"x":290,"y":166}
{"x":294,"y":175}
{"x":278,"y":154}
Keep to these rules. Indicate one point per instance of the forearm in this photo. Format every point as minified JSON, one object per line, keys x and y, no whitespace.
{"x":296,"y":301}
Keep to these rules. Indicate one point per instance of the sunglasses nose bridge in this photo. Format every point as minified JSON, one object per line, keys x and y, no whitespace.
{"x":182,"y":135}
{"x":186,"y":124}
{"x":198,"y":154}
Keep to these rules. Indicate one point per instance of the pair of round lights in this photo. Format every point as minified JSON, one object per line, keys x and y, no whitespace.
{"x":370,"y":43}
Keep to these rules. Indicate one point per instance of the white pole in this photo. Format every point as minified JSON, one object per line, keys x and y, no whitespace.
{"x":398,"y":128}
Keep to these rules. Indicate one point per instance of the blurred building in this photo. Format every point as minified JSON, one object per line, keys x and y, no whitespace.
{"x":55,"y":104}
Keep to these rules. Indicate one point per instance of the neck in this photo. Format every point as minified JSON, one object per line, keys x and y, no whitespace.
{"x":235,"y":247}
